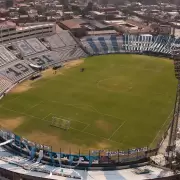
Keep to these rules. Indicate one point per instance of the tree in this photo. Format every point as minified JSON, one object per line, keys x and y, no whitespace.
{"x":9,"y":3}
{"x":41,"y":10}
{"x":22,"y":11}
{"x":88,"y":8}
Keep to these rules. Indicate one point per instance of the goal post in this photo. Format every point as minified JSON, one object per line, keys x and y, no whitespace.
{"x":60,"y":123}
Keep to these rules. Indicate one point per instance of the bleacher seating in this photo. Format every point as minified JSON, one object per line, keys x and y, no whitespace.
{"x":44,"y":59}
{"x":66,"y":37}
{"x":130,"y":44}
{"x":70,"y":53}
{"x":6,"y":56}
{"x":114,"y":43}
{"x":159,"y":43}
{"x":62,"y":47}
{"x":24,"y":48}
{"x":103,"y":44}
{"x":36,"y":45}
{"x":167,"y":48}
{"x":175,"y":44}
{"x":145,"y":41}
{"x":17,"y":71}
{"x":87,"y":47}
{"x":4,"y":84}
{"x":93,"y":45}
{"x":125,"y":42}
{"x":55,"y":41}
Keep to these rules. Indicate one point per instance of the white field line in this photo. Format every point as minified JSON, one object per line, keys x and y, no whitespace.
{"x":22,"y":113}
{"x":94,"y":135}
{"x":85,"y":128}
{"x":110,"y":90}
{"x":44,"y":118}
{"x":33,"y":106}
{"x":10,"y":100}
{"x":92,"y":108}
{"x":70,"y":127}
{"x":117,"y":130}
{"x":86,"y":105}
{"x":106,"y":89}
{"x":161,"y":127}
{"x":65,"y":118}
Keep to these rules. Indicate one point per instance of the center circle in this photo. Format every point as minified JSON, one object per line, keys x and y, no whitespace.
{"x":116,"y":84}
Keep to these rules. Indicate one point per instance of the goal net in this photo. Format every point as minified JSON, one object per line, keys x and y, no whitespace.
{"x":60,"y":123}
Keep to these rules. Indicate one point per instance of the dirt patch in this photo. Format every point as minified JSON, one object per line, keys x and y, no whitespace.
{"x":52,"y":140}
{"x":26,"y":85}
{"x":103,"y":125}
{"x":20,"y":88}
{"x":73,"y":63}
{"x":103,"y":145}
{"x":51,"y":73}
{"x":11,"y":124}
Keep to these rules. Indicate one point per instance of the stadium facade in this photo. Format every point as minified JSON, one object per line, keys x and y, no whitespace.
{"x":23,"y":54}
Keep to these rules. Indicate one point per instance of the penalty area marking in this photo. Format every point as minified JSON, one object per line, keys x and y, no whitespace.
{"x":33,"y":106}
{"x":69,"y":119}
{"x":63,"y":118}
{"x":85,"y":128}
{"x":44,"y":118}
{"x":116,"y":130}
{"x":85,"y":132}
{"x":70,"y":127}
{"x":92,"y":109}
{"x":22,"y":113}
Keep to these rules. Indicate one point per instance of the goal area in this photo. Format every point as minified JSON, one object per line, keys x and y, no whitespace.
{"x":60,"y":123}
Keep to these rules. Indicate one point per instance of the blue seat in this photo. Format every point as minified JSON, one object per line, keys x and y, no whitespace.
{"x":103,"y":44}
{"x":93,"y":45}
{"x":114,"y":43}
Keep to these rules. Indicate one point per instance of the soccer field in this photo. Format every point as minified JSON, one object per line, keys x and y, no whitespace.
{"x":118,"y":102}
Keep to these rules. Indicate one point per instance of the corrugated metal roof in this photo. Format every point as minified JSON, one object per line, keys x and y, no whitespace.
{"x":74,"y":23}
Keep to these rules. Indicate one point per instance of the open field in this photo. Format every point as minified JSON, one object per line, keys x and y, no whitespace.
{"x":118,"y":102}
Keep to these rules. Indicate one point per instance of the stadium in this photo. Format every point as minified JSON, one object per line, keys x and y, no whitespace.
{"x":99,"y":107}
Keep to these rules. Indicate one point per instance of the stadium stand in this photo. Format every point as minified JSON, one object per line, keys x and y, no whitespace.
{"x":66,"y":37}
{"x":5,"y":84}
{"x":69,"y":53}
{"x":17,"y":71}
{"x":144,"y":41}
{"x":5,"y":56}
{"x":166,"y":49}
{"x":114,"y":43}
{"x":87,"y":47}
{"x":54,"y":41}
{"x":24,"y":48}
{"x":175,"y":44}
{"x":103,"y":44}
{"x":56,"y":49}
{"x":130,"y":43}
{"x":93,"y":45}
{"x":36,"y":45}
{"x":159,"y":43}
{"x":44,"y":59}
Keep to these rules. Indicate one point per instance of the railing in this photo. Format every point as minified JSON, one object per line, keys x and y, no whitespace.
{"x":97,"y":158}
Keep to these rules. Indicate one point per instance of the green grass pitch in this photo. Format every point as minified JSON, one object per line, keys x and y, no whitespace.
{"x":118,"y":102}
